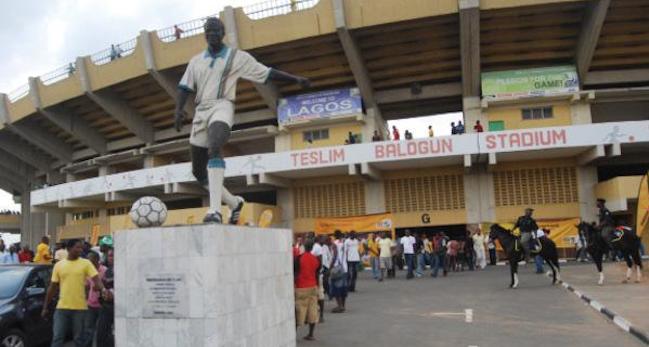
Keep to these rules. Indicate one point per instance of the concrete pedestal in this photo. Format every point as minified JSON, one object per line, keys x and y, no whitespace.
{"x":204,"y":285}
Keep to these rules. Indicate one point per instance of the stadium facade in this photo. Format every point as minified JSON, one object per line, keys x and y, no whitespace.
{"x":560,"y":87}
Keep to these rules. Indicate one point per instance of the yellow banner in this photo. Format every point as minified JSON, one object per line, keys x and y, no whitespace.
{"x":562,"y":231}
{"x":360,"y":224}
{"x":642,"y":215}
{"x":94,"y":236}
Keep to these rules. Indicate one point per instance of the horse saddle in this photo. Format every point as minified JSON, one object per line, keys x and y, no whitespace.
{"x":618,"y":233}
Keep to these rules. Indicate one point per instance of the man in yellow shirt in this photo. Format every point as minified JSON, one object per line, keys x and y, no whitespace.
{"x":373,"y":249}
{"x":69,"y":279}
{"x":43,"y":255}
{"x":385,"y":254}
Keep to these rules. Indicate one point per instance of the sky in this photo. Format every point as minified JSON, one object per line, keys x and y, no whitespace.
{"x":40,"y":36}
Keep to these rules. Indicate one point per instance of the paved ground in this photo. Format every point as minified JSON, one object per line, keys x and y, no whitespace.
{"x":614,"y":294}
{"x":431,"y":312}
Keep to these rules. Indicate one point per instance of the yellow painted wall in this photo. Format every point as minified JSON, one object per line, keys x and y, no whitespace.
{"x":513,"y":116}
{"x":495,"y":4}
{"x":10,"y":219}
{"x":338,"y":133}
{"x":176,"y":53}
{"x":315,"y":21}
{"x":360,"y":13}
{"x":21,"y":108}
{"x":303,"y":225}
{"x":623,"y":187}
{"x":118,"y":70}
{"x":60,"y":91}
{"x":83,"y":228}
{"x":541,"y":211}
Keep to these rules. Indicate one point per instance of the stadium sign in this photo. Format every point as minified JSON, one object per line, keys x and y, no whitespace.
{"x":530,"y":82}
{"x":320,"y":105}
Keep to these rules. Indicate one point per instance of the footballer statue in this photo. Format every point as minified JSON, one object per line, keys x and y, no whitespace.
{"x":212,"y":75}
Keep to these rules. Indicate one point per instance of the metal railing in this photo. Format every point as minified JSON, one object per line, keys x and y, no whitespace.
{"x":59,"y":74}
{"x":188,"y":29}
{"x":117,"y":51}
{"x":18,"y":92}
{"x":277,"y":7}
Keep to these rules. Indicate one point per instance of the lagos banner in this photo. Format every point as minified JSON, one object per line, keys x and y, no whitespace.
{"x":320,"y":105}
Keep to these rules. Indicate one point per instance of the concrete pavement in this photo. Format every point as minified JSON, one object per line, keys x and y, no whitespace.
{"x":432,"y":312}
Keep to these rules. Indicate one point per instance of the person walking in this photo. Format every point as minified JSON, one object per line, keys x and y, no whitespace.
{"x":306,"y":289}
{"x":431,"y":132}
{"x":338,"y":273}
{"x":94,"y":306}
{"x":373,"y":250}
{"x":538,"y":259}
{"x":43,"y":255}
{"x":395,"y":133}
{"x":178,"y":33}
{"x":385,"y":254}
{"x":478,"y":247}
{"x":469,"y":251}
{"x":353,"y":259}
{"x":408,"y":244}
{"x":492,"y":252}
{"x":451,"y":254}
{"x":69,"y":280}
{"x":419,"y":252}
{"x":428,"y":251}
{"x":25,"y":255}
{"x":10,"y":256}
{"x":60,"y":253}
{"x":105,"y":322}
{"x":439,"y":254}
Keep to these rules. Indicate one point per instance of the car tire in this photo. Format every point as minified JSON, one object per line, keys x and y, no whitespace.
{"x":13,"y":338}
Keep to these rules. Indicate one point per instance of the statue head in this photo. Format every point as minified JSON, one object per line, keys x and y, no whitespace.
{"x":214,"y":31}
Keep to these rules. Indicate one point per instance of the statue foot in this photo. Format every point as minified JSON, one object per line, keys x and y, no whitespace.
{"x":213,"y":218}
{"x":236,"y":213}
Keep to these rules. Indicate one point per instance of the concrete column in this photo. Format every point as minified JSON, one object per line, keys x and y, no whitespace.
{"x":587,"y":180}
{"x":374,"y":197}
{"x":472,"y":113}
{"x":26,"y":218}
{"x":285,"y":202}
{"x":479,"y":196}
{"x":373,"y":121}
{"x":580,"y":113}
{"x":151,"y":161}
{"x":282,"y":142}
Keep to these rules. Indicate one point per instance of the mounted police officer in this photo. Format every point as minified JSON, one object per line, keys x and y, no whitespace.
{"x":528,"y":227}
{"x":607,"y":223}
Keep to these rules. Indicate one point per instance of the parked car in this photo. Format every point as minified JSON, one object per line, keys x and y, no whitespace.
{"x":22,"y":294}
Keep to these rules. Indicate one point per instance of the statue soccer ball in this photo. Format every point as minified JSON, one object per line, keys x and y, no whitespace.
{"x":148,"y":211}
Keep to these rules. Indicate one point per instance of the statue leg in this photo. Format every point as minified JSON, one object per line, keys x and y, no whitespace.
{"x":218,"y":134}
{"x":199,"y":169}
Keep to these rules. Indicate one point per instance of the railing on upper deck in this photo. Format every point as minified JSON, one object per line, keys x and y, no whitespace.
{"x":117,"y":51}
{"x":277,"y":7}
{"x":59,"y":74}
{"x":188,"y":29}
{"x":18,"y":92}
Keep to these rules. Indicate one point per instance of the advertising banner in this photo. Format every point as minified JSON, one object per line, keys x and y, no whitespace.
{"x":516,"y":84}
{"x":320,"y":105}
{"x":360,"y":224}
{"x":642,"y":222}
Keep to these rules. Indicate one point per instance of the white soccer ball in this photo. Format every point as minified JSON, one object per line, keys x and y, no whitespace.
{"x":148,"y":211}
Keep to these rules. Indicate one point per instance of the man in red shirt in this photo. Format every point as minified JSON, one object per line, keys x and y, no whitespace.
{"x":307,"y":267}
{"x":25,"y":256}
{"x":478,"y":127}
{"x":395,"y":133}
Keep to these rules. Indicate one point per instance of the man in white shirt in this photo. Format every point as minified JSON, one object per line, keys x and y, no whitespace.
{"x":212,"y":75}
{"x":353,"y":258}
{"x":408,"y":243}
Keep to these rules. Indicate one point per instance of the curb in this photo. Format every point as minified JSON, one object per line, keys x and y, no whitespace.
{"x":618,"y":320}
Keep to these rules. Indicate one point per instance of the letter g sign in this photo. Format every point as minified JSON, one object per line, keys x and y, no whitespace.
{"x":425,"y":218}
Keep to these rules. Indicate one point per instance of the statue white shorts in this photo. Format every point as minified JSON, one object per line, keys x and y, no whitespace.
{"x":208,"y":112}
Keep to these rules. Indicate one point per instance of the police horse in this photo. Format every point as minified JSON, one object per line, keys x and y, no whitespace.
{"x":512,"y":246}
{"x":623,"y":239}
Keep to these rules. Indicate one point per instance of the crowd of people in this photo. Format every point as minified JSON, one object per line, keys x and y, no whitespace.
{"x":9,"y":212}
{"x":327,"y":266}
{"x":82,"y":279}
{"x":395,"y":134}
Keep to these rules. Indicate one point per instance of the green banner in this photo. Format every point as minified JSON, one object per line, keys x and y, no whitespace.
{"x":530,"y":82}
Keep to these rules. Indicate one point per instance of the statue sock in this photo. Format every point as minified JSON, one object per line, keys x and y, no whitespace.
{"x":215,"y":174}
{"x":229,"y":199}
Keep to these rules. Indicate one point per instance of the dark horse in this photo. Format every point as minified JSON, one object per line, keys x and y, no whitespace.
{"x":598,"y":245}
{"x":515,"y":253}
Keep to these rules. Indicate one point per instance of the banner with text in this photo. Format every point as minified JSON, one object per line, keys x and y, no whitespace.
{"x":515,"y":84}
{"x":360,"y":224}
{"x":562,"y":231}
{"x":320,"y":105}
